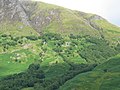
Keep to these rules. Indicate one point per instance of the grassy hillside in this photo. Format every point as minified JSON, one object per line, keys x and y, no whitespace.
{"x":66,"y":21}
{"x":47,"y":47}
{"x":16,"y":29}
{"x":103,"y":77}
{"x":43,"y":17}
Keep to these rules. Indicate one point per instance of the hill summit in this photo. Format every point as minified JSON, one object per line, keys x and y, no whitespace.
{"x":17,"y":16}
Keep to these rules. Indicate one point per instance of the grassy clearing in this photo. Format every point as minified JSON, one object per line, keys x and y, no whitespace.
{"x":10,"y":66}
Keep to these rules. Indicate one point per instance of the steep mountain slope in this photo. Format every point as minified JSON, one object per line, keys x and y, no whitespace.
{"x":29,"y":16}
{"x":13,"y":18}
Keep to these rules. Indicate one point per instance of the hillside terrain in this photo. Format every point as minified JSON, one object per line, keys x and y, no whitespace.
{"x":18,"y":15}
{"x":47,"y":47}
{"x":103,"y":77}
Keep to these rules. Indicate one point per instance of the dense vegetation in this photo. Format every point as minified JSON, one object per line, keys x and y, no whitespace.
{"x":57,"y":59}
{"x":34,"y":74}
{"x":104,"y":77}
{"x":35,"y":77}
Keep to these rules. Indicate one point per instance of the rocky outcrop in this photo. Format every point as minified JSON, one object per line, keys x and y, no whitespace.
{"x":95,"y":17}
{"x":12,"y":10}
{"x":90,"y":20}
{"x":27,"y":12}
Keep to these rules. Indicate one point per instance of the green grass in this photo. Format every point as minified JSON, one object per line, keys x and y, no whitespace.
{"x":49,"y":65}
{"x":67,"y":21}
{"x":97,"y":79}
{"x":30,"y":88}
{"x":16,"y":29}
{"x":9,"y":66}
{"x":64,"y":21}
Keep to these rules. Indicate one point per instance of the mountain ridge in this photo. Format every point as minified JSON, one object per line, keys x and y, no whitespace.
{"x":43,"y":17}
